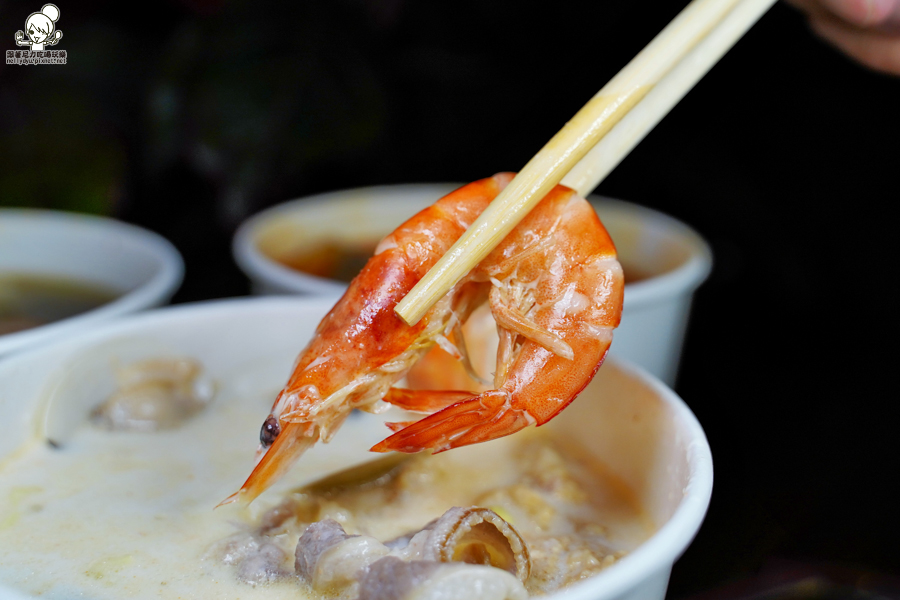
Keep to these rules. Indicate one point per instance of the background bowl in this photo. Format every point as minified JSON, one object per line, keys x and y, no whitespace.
{"x":643,"y":433}
{"x":141,"y":267}
{"x":664,"y":260}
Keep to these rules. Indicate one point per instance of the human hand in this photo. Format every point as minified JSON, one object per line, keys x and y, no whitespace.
{"x":866,"y":30}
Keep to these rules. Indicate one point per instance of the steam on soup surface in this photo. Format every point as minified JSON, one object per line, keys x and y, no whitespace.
{"x":28,"y":300}
{"x":129,"y":514}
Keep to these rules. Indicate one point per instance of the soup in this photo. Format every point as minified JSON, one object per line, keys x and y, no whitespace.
{"x":572,"y":519}
{"x":330,"y":259}
{"x":28,"y":301}
{"x":114,"y":514}
{"x":342,"y":262}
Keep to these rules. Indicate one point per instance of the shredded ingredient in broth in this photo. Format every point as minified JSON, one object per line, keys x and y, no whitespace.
{"x":128,"y":514}
{"x":531,"y":488}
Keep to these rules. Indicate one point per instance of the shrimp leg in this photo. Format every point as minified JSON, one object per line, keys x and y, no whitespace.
{"x":553,"y":303}
{"x":553,"y":285}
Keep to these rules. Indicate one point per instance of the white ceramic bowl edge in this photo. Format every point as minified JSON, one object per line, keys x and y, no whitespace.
{"x":143,"y":265}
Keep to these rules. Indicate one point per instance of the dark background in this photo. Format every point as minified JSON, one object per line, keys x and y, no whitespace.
{"x":186,"y":117}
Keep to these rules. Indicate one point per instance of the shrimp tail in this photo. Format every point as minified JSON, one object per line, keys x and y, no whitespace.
{"x":398,"y":425}
{"x":481,"y":418}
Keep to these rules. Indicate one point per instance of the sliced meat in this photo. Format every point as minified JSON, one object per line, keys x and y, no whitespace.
{"x":393,"y":579}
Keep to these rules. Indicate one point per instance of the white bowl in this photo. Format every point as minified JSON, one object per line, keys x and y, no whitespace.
{"x":675,"y":261}
{"x":348,"y":216}
{"x":143,"y":267}
{"x":673,"y":258}
{"x":642,"y":431}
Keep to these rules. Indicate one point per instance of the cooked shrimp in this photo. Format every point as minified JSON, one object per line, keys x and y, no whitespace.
{"x":555,"y":290}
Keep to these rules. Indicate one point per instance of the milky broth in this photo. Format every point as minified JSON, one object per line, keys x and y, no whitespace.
{"x":125,"y":514}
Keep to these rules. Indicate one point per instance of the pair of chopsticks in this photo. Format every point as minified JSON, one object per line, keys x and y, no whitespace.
{"x":600,"y":135}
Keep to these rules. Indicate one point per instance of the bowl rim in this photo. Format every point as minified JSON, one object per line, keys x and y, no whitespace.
{"x":656,"y":555}
{"x":250,"y":260}
{"x":659,"y":553}
{"x":682,"y":280}
{"x":157,"y":289}
{"x":256,"y":266}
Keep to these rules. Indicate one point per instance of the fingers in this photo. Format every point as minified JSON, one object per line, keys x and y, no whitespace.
{"x":876,"y":50}
{"x":868,"y":31}
{"x":862,"y":13}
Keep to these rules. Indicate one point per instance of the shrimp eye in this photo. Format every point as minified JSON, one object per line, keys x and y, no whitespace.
{"x":269,"y":431}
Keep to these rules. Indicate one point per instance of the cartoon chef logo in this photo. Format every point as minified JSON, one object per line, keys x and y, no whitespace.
{"x":40,"y":29}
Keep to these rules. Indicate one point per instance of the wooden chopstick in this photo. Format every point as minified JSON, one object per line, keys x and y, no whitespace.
{"x":569,"y":146}
{"x":640,"y":120}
